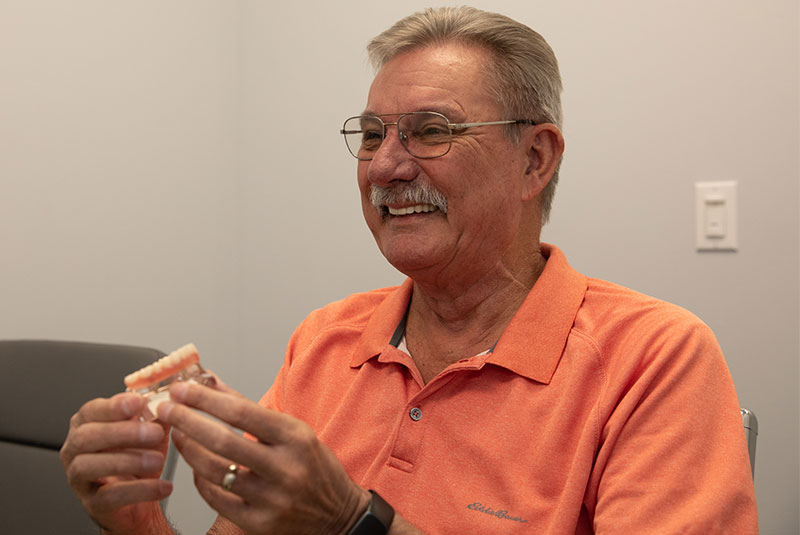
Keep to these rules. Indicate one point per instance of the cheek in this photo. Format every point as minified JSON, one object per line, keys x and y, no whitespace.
{"x":368,"y":211}
{"x":361,"y":175}
{"x":485,"y":191}
{"x":488,"y":209}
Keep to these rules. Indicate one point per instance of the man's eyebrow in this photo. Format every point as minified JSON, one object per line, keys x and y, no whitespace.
{"x":448,"y":112}
{"x":376,"y":114}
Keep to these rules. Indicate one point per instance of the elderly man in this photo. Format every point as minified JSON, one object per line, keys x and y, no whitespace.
{"x":495,"y":391}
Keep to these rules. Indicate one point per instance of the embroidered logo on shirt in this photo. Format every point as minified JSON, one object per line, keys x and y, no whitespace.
{"x":500,"y":513}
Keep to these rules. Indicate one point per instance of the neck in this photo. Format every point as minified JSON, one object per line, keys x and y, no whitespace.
{"x":464,"y":318}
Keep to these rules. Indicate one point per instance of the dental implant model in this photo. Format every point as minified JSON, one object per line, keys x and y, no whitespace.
{"x":153,"y":381}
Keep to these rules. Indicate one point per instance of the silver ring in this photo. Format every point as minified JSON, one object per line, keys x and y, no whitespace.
{"x":230,"y":477}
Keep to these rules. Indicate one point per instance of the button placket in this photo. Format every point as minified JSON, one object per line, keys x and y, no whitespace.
{"x":408,"y":441}
{"x":410,"y":436}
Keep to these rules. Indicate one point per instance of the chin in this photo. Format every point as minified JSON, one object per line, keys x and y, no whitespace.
{"x":412,"y":250}
{"x":407,"y":262}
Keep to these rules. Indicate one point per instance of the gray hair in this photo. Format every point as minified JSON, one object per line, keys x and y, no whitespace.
{"x":523,"y":78}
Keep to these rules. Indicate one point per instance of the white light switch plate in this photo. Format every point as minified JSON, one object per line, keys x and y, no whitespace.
{"x":716,"y":217}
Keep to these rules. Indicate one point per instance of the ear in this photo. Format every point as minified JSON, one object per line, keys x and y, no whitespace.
{"x":545,"y":145}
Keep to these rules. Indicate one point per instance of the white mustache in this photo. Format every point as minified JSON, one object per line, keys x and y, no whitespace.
{"x":413,"y":192}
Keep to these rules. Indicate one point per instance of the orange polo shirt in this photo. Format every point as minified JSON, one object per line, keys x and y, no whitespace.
{"x":599,"y":410}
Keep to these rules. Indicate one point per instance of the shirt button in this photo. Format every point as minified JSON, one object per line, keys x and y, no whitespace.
{"x":415,"y":413}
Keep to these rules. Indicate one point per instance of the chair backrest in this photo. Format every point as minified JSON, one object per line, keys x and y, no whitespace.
{"x":42,"y":383}
{"x":751,"y":432}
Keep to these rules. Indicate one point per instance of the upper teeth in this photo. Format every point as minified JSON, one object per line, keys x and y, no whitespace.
{"x":416,"y":209}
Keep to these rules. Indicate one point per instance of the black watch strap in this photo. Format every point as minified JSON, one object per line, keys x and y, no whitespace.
{"x":376,"y":520}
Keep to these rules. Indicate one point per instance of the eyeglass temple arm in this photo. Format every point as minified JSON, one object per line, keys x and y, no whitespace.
{"x":470,"y":125}
{"x":456,"y":126}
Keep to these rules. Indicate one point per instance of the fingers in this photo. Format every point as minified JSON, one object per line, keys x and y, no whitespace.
{"x":105,"y":442}
{"x":215,"y":436}
{"x":286,"y":482}
{"x":103,"y":424}
{"x":251,"y":502}
{"x":100,"y":436}
{"x":113,"y":461}
{"x":212,"y":468}
{"x":119,"y":407}
{"x":225,"y":503}
{"x":96,"y":466}
{"x":94,"y":472}
{"x":269,"y":427}
{"x":103,"y":449}
{"x":109,"y":498}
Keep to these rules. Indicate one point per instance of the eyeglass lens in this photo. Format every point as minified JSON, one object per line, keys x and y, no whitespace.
{"x":423,"y":134}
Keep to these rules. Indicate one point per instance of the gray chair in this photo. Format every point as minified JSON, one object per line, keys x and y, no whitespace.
{"x":42,"y":384}
{"x":751,"y":433}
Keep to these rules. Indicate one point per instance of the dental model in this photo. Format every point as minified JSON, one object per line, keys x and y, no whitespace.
{"x":153,"y":381}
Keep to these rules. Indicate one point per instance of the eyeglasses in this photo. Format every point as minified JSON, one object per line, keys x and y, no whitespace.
{"x":424,"y":134}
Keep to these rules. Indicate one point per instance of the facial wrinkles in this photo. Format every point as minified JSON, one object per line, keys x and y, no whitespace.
{"x":413,"y":192}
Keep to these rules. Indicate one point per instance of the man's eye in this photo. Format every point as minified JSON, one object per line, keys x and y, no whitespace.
{"x":433,"y":133}
{"x":434,"y":130}
{"x":371,"y":139}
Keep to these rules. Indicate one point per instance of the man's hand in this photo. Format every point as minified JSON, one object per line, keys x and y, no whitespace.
{"x":113,"y":463}
{"x":288,"y":482}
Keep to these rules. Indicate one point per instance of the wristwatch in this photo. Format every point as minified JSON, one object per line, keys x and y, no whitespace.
{"x":376,"y":520}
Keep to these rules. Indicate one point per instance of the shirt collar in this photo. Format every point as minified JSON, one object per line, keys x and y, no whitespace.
{"x":383,"y":324}
{"x":532,"y":343}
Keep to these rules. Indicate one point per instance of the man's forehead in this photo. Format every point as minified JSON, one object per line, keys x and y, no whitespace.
{"x":437,"y":78}
{"x":437,"y":64}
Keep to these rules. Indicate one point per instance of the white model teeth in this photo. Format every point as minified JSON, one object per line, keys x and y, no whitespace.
{"x":133,"y":377}
{"x":182,"y":357}
{"x":186,"y":351}
{"x":416,"y":209}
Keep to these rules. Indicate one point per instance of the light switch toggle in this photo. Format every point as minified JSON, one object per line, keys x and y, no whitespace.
{"x":716,"y":215}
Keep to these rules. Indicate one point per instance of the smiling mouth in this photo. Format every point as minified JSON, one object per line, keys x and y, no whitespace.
{"x":407,"y":198}
{"x":407,"y":210}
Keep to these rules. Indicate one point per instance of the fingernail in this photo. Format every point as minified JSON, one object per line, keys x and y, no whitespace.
{"x":151,"y":461}
{"x":164,"y":487}
{"x":130,"y":406}
{"x":178,"y":391}
{"x":163,"y":410}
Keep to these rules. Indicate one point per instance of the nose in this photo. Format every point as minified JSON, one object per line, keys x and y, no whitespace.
{"x":391,"y":161}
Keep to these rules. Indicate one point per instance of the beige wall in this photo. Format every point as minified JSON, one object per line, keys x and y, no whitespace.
{"x":171,"y":171}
